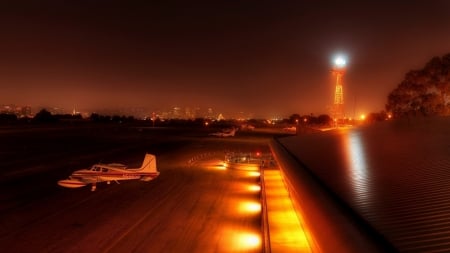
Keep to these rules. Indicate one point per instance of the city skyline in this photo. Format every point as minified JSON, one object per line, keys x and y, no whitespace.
{"x":269,"y":59}
{"x":136,"y":112}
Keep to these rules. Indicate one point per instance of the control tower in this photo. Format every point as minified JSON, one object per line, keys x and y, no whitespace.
{"x":338,"y":106}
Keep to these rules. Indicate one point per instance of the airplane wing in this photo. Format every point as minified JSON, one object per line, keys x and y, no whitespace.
{"x":71,"y":183}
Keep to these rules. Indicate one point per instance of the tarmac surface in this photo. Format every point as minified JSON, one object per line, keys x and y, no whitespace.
{"x":193,"y":206}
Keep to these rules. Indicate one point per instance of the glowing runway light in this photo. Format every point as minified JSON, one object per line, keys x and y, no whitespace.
{"x":248,"y":241}
{"x":254,"y":188}
{"x":249,"y":207}
{"x":237,"y":239}
{"x":253,"y":174}
{"x":221,"y":167}
{"x":213,"y":165}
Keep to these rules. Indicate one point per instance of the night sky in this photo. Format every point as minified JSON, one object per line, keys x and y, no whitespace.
{"x":271,"y":58}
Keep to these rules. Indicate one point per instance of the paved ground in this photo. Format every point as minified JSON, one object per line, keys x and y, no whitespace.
{"x":193,"y":206}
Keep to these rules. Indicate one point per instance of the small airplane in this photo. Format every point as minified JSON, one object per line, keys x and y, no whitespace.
{"x":225,"y":133}
{"x":291,"y":129}
{"x":111,"y":172}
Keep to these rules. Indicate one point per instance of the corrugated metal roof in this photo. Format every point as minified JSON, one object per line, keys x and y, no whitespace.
{"x":394,"y":175}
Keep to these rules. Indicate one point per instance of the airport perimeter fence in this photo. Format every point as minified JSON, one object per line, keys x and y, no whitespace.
{"x":207,"y":155}
{"x":263,"y":160}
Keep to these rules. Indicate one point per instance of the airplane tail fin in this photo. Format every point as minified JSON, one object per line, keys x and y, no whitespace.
{"x":149,"y":163}
{"x":149,"y":166}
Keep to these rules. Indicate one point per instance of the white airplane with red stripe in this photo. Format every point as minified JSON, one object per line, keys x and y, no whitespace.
{"x":225,"y":133}
{"x":111,"y":172}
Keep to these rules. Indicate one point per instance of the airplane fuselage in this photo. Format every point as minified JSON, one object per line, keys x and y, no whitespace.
{"x":111,"y":172}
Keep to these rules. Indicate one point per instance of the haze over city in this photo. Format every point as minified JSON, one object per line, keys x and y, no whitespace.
{"x":267,"y":58}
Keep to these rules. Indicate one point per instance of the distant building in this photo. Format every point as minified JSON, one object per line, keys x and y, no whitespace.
{"x":189,"y":113}
{"x":23,"y":111}
{"x":19,"y":111}
{"x":210,"y":114}
{"x":176,"y":113}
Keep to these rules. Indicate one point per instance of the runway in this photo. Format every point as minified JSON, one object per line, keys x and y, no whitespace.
{"x":193,"y":206}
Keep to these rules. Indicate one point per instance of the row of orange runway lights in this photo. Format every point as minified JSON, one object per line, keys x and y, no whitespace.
{"x":289,"y":231}
{"x":240,"y":239}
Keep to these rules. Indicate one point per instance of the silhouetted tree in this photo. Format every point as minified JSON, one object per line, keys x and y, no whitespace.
{"x":294,"y":118}
{"x":68,"y":116}
{"x":324,"y":119}
{"x":424,"y":92}
{"x":44,"y":116}
{"x":95,"y":117}
{"x":374,"y":117}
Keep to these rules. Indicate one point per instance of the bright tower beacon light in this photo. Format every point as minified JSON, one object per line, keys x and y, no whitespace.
{"x":340,"y":62}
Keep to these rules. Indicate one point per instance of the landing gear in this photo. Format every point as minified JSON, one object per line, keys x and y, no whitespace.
{"x":94,"y":187}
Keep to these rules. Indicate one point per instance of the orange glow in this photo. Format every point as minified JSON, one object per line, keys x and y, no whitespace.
{"x":213,"y":165}
{"x":240,"y":240}
{"x":253,"y":174}
{"x":217,"y":167}
{"x":221,"y":166}
{"x":247,"y":189}
{"x":254,"y":188}
{"x":250,"y":207}
{"x":248,"y":240}
{"x":243,"y":166}
{"x":288,"y":231}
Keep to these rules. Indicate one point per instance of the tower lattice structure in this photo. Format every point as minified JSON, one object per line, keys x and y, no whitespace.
{"x":338,"y":108}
